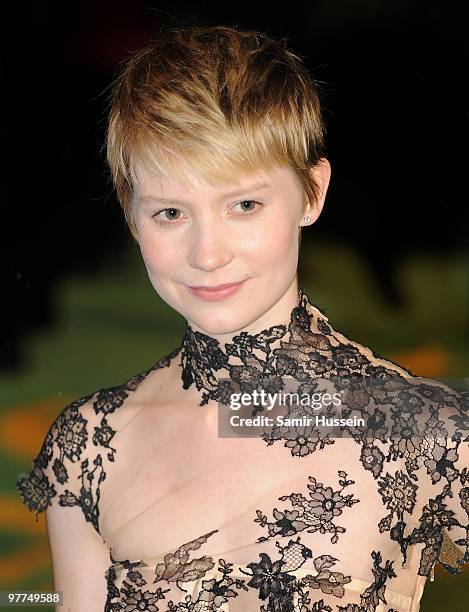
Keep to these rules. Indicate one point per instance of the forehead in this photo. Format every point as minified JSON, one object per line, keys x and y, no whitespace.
{"x":150,"y":183}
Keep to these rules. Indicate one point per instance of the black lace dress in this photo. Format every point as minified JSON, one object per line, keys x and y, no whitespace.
{"x":299,"y":519}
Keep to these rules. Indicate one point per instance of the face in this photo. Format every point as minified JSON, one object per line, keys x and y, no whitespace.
{"x":244,"y":233}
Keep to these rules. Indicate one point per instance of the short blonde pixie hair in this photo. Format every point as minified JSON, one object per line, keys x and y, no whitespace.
{"x":209,"y":103}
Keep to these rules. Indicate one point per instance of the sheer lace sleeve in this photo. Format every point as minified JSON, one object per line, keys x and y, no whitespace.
{"x":451,"y":462}
{"x":77,"y":451}
{"x":67,"y":470}
{"x":443,"y":526}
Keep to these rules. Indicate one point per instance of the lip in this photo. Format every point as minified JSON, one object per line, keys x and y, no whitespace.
{"x":217,"y":293}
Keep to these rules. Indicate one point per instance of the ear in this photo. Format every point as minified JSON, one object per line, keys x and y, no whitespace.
{"x":322,"y":175}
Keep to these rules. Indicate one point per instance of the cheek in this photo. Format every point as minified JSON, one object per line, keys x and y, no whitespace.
{"x":274,"y":242}
{"x":157,"y":252}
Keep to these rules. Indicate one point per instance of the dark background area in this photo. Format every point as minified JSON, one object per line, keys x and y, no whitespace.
{"x":396,"y":106}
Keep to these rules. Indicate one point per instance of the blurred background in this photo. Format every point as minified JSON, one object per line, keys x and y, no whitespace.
{"x":388,"y":260}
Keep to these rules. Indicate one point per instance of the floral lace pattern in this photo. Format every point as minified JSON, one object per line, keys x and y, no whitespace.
{"x":418,"y":425}
{"x":313,"y":514}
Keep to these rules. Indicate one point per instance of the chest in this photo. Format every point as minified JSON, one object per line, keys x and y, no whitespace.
{"x":175,"y":480}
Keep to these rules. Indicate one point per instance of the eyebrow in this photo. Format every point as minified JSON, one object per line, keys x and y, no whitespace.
{"x":250,"y":188}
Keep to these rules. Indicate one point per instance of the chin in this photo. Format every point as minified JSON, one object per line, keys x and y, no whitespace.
{"x":219,"y":325}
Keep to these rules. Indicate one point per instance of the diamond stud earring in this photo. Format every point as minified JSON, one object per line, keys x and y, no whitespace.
{"x":307,"y":219}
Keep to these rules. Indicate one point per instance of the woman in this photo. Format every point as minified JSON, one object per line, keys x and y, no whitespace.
{"x":149,"y":506}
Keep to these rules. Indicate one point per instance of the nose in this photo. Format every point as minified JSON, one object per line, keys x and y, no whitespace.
{"x":211,"y":247}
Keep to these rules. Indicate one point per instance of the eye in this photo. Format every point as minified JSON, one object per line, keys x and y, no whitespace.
{"x":171,"y":214}
{"x":252,"y":206}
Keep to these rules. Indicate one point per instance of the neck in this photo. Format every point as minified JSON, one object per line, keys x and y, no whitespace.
{"x":246,"y":357}
{"x":277,"y":314}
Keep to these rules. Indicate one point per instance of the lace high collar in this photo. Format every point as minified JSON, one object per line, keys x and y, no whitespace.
{"x":253,"y":360}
